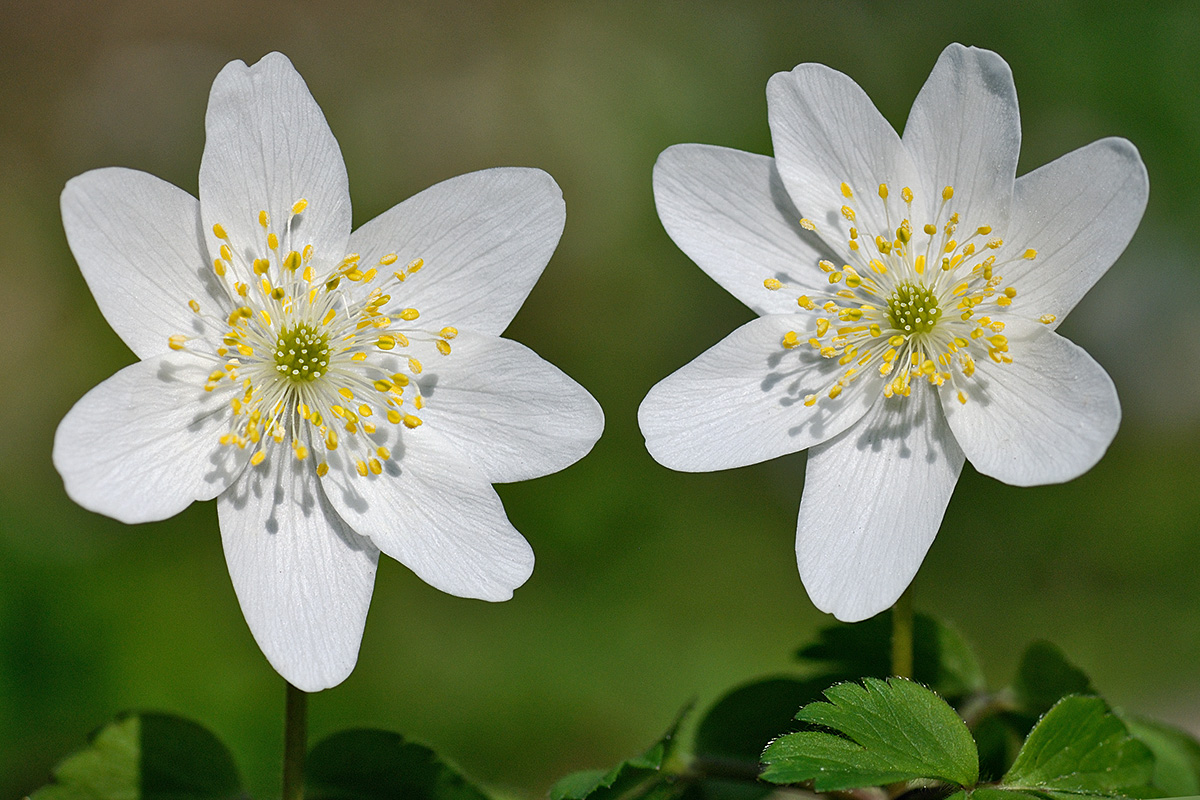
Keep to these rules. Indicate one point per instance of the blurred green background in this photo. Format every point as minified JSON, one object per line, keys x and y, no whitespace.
{"x":651,"y":587}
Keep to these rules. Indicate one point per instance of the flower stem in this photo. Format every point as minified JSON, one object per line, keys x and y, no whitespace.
{"x":295,"y":743}
{"x":902,"y":635}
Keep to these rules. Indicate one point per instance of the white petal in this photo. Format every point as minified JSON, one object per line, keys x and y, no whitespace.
{"x":728,"y":210}
{"x":826,"y":131}
{"x":1047,"y":417}
{"x":268,"y":145}
{"x":484,"y":238}
{"x":873,"y":500}
{"x":432,"y":511}
{"x":144,"y":444}
{"x":964,"y":131}
{"x":302,"y":576}
{"x":742,"y":401}
{"x":138,"y":243}
{"x":1079,"y":211}
{"x":513,"y":415}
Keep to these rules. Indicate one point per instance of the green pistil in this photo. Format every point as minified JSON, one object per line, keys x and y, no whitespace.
{"x":301,"y":354}
{"x":912,"y":308}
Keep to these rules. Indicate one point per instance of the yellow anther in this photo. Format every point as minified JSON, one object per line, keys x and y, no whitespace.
{"x":834,"y":391}
{"x":299,"y":206}
{"x":411,"y":421}
{"x":359,"y":357}
{"x":448,"y":332}
{"x":930,"y":229}
{"x":331,"y":440}
{"x":928,"y":367}
{"x":264,"y":218}
{"x":388,"y":260}
{"x":361,"y":466}
{"x":790,"y":340}
{"x":822,"y":326}
{"x":807,"y":224}
{"x":853,"y":245}
{"x":415,"y":366}
{"x":301,"y":452}
{"x":177,"y":342}
{"x":414,"y":265}
{"x":308,"y":252}
{"x":409,"y":314}
{"x":261,"y":265}
{"x":947,"y":193}
{"x":278,"y":293}
{"x":962,"y":398}
{"x":848,"y":213}
{"x":242,"y":289}
{"x":810,"y":400}
{"x":950,"y":245}
{"x":994,"y":243}
{"x":385,"y":342}
{"x":804,"y":302}
{"x":773,"y":284}
{"x":1046,"y":319}
{"x":835,"y":277}
{"x":1029,"y":254}
{"x":878,"y":266}
{"x":332,"y":283}
{"x":383,"y":385}
{"x":292,"y":261}
{"x":919,"y":265}
{"x":375,"y":466}
{"x":365,"y":410}
{"x":419,"y":402}
{"x":826,"y":266}
{"x":846,"y":190}
{"x":322,"y":469}
{"x":875,"y":330}
{"x":829,"y":352}
{"x":258,"y":457}
{"x":272,"y":241}
{"x":896,"y":340}
{"x":1004,"y":301}
{"x":853,"y":232}
{"x":219,"y":267}
{"x":883,"y":245}
{"x":443,"y":347}
{"x":400,"y":379}
{"x":346,"y":393}
{"x":1010,"y":292}
{"x":907,"y":194}
{"x":904,"y":232}
{"x":883,"y":191}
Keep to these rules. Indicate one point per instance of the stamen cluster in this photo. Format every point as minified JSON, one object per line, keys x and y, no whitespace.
{"x":911,"y":308}
{"x":306,"y":354}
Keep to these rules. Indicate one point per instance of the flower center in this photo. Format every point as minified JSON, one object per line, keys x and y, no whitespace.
{"x":914,"y":302}
{"x":301,"y":353}
{"x":913,"y":308}
{"x":307,"y":353}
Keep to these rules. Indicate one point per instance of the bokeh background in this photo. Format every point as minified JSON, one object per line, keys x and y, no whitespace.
{"x":651,"y":587}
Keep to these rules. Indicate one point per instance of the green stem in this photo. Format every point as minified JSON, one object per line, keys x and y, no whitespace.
{"x":295,"y":743}
{"x":902,"y":635}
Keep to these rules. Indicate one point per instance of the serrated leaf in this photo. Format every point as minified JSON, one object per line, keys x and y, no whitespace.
{"x":1080,"y":747}
{"x":942,"y":658}
{"x":632,"y":773}
{"x":365,"y":764}
{"x":147,"y":756}
{"x":1176,"y":756}
{"x":885,"y":731}
{"x":1044,"y":677}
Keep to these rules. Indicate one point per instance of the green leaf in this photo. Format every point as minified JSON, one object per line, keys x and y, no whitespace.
{"x":893,"y":730}
{"x":1176,"y":756}
{"x":1044,"y":677}
{"x":942,"y":659}
{"x":1079,"y":747}
{"x":147,"y":756}
{"x":742,"y":722}
{"x":364,"y":764}
{"x":633,"y":773}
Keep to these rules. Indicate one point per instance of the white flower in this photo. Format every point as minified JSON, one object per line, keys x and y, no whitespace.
{"x":339,"y":393}
{"x":909,"y":288}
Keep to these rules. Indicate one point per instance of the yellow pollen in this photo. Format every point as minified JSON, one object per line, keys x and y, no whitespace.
{"x":299,"y":206}
{"x":930,"y":229}
{"x":772,"y":284}
{"x":443,"y":347}
{"x":883,"y":191}
{"x":846,"y":190}
{"x":907,"y":194}
{"x":1029,"y":254}
{"x":1046,"y":319}
{"x":448,"y":332}
{"x":388,"y":260}
{"x":411,"y":421}
{"x":291,"y":261}
{"x":848,"y":213}
{"x":415,"y":365}
{"x":947,"y":193}
{"x":177,"y":342}
{"x":272,"y":241}
{"x":258,"y":457}
{"x":409,"y":314}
